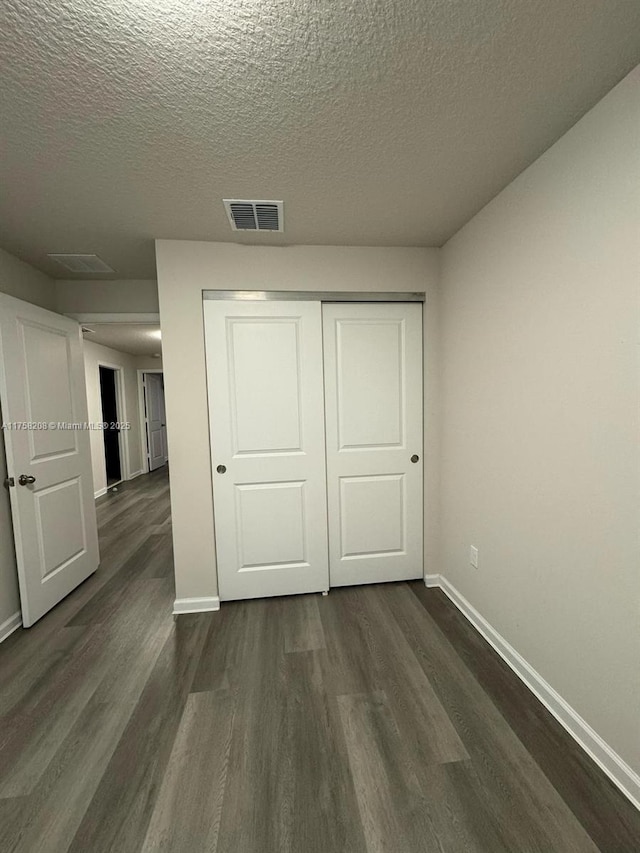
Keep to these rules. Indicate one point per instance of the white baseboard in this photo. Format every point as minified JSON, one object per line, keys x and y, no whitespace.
{"x":10,"y":625}
{"x":195,"y":605}
{"x":100,"y":493}
{"x":623,"y":776}
{"x":136,"y":474}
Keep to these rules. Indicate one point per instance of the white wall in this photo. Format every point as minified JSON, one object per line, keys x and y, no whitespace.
{"x":185,"y":269}
{"x":540,"y":464}
{"x":148,"y":362}
{"x":118,"y":297}
{"x":94,"y":356}
{"x":23,"y":282}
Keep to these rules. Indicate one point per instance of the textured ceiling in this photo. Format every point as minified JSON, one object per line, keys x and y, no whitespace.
{"x":385,"y":122}
{"x":133,"y":338}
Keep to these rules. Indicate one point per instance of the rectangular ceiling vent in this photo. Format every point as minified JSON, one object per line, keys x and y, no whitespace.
{"x":248,"y":215}
{"x":81,"y":263}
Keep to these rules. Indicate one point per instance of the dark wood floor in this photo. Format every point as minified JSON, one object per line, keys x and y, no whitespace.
{"x":375,"y":719}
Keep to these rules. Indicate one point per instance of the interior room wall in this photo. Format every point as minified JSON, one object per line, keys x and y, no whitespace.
{"x":120,"y":296}
{"x":148,"y":362}
{"x":22,"y":281}
{"x":185,"y":269}
{"x":94,"y":356}
{"x":540,"y":416}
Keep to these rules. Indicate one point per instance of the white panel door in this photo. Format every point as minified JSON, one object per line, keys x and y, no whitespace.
{"x":373,"y":398}
{"x":42,"y":384}
{"x":264,"y":374}
{"x":156,"y":427}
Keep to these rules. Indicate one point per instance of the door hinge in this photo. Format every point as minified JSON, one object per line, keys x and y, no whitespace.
{"x":9,"y":482}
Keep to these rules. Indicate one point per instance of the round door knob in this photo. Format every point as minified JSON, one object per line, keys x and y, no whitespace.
{"x":221,"y":469}
{"x":26,"y":479}
{"x":415,"y":458}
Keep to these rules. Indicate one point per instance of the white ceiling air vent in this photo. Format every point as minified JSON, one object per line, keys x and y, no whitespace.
{"x":81,"y":263}
{"x":247,"y":215}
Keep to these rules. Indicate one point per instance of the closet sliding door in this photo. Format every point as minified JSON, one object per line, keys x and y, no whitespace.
{"x":373,"y":405}
{"x":266,"y":411}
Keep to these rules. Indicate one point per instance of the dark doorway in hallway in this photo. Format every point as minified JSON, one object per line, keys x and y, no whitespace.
{"x":111,"y":433}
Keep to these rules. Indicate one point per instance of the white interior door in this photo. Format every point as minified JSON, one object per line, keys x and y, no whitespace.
{"x":42,"y":384}
{"x":264,"y":372}
{"x":156,"y":426}
{"x":373,"y":398}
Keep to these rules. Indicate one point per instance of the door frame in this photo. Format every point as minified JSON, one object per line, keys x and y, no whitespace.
{"x":125,"y":468}
{"x":311,"y":296}
{"x":150,"y":317}
{"x":144,"y":438}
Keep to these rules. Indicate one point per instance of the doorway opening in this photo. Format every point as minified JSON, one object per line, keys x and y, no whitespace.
{"x":153,"y":417}
{"x":111,"y":428}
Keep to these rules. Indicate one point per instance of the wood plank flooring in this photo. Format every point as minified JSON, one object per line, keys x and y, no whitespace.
{"x":375,"y":719}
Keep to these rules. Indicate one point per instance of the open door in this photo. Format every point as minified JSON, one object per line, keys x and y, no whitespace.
{"x":156,"y":426}
{"x":44,"y":405}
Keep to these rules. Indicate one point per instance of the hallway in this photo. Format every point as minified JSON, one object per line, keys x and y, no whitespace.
{"x":375,"y":719}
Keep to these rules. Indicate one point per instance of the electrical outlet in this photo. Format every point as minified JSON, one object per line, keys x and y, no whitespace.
{"x":473,"y":556}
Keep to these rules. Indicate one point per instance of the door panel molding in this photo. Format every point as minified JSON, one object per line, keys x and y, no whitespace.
{"x":370,"y":543}
{"x":386,"y":396}
{"x":263,"y":404}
